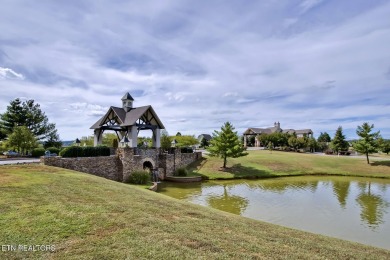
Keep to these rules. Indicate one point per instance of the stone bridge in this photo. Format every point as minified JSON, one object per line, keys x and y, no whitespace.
{"x":119,"y":167}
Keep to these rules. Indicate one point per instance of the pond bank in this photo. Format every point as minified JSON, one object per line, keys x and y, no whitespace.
{"x":118,"y":221}
{"x":263,"y":164}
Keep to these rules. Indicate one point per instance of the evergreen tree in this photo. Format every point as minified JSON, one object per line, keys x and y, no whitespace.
{"x":14,"y":116}
{"x":368,"y":142}
{"x":204,"y":143}
{"x":324,"y":138}
{"x":226,"y":143}
{"x":28,"y":114}
{"x":339,"y":143}
{"x":53,"y":140}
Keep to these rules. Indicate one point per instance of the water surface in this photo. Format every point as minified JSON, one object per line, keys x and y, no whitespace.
{"x":355,"y":209}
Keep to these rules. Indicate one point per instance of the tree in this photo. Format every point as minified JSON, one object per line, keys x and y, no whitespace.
{"x":2,"y":134}
{"x":277,"y":139}
{"x":165,"y":141}
{"x":178,"y":134}
{"x":87,"y":140}
{"x":204,"y":143}
{"x":251,"y":140}
{"x":324,"y":138}
{"x":13,"y":116}
{"x":53,"y":140}
{"x":368,"y":142}
{"x":21,"y":139}
{"x":270,"y":146}
{"x":226,"y":143}
{"x":107,"y":140}
{"x":385,"y":146}
{"x":186,"y":140}
{"x":312,"y":143}
{"x":144,"y":142}
{"x":339,"y":143}
{"x":28,"y":114}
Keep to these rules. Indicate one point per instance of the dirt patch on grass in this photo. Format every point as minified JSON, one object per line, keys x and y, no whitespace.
{"x":277,"y":166}
{"x":28,"y":168}
{"x":7,"y":178}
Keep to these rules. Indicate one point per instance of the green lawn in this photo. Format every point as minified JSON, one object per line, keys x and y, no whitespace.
{"x":263,"y":164}
{"x":87,"y":217}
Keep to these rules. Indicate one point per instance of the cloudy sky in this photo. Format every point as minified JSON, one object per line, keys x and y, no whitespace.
{"x":312,"y":64}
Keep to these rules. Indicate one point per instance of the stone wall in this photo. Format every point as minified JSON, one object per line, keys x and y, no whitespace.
{"x":171,"y":162}
{"x":127,"y":160}
{"x":108,"y":167}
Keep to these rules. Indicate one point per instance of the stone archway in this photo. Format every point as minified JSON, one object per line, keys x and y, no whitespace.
{"x":147,"y":165}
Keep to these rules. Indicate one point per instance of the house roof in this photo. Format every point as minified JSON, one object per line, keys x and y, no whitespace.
{"x":270,"y":130}
{"x":205,"y":136}
{"x":253,"y":130}
{"x":125,"y":119}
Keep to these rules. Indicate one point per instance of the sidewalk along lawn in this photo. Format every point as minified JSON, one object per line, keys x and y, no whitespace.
{"x":87,"y":217}
{"x":266,"y":164}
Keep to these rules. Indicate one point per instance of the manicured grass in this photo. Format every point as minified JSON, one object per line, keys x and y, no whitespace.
{"x":263,"y":164}
{"x":87,"y":217}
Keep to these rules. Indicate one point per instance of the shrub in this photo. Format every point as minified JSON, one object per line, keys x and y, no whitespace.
{"x":182,"y":172}
{"x":139,"y":177}
{"x":85,"y":151}
{"x":53,"y":150}
{"x":115,"y":143}
{"x":38,"y":152}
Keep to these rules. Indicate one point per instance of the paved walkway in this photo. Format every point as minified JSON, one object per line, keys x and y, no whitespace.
{"x":18,"y":161}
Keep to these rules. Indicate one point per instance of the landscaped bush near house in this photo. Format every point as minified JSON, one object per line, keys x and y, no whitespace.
{"x":72,"y":151}
{"x":85,"y":151}
{"x":182,"y":172}
{"x":53,"y":150}
{"x":38,"y":152}
{"x":139,"y":177}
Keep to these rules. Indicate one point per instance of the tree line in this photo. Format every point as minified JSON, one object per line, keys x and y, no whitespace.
{"x":369,"y":142}
{"x":24,"y":125}
{"x":226,"y":143}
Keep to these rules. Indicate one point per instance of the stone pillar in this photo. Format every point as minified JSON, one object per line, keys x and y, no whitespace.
{"x":245,"y":141}
{"x":133,"y":136}
{"x":97,"y":140}
{"x":156,"y":138}
{"x":126,"y":156}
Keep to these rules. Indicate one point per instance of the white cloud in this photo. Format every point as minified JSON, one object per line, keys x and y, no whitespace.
{"x":200,"y":65}
{"x":6,"y":73}
{"x":306,"y":5}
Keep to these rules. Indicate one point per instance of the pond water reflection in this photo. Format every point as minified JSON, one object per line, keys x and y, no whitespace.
{"x":355,"y":209}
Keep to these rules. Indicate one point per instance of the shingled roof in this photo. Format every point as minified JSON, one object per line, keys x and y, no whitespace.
{"x":254,"y":130}
{"x":130,"y":118}
{"x":127,"y":96}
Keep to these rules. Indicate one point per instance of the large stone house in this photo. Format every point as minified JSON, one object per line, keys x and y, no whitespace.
{"x":253,"y":131}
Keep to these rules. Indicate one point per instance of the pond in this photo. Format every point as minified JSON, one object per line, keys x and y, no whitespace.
{"x":355,"y":209}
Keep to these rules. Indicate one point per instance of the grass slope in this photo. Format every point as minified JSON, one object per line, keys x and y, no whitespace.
{"x":265,"y":164}
{"x":87,"y":217}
